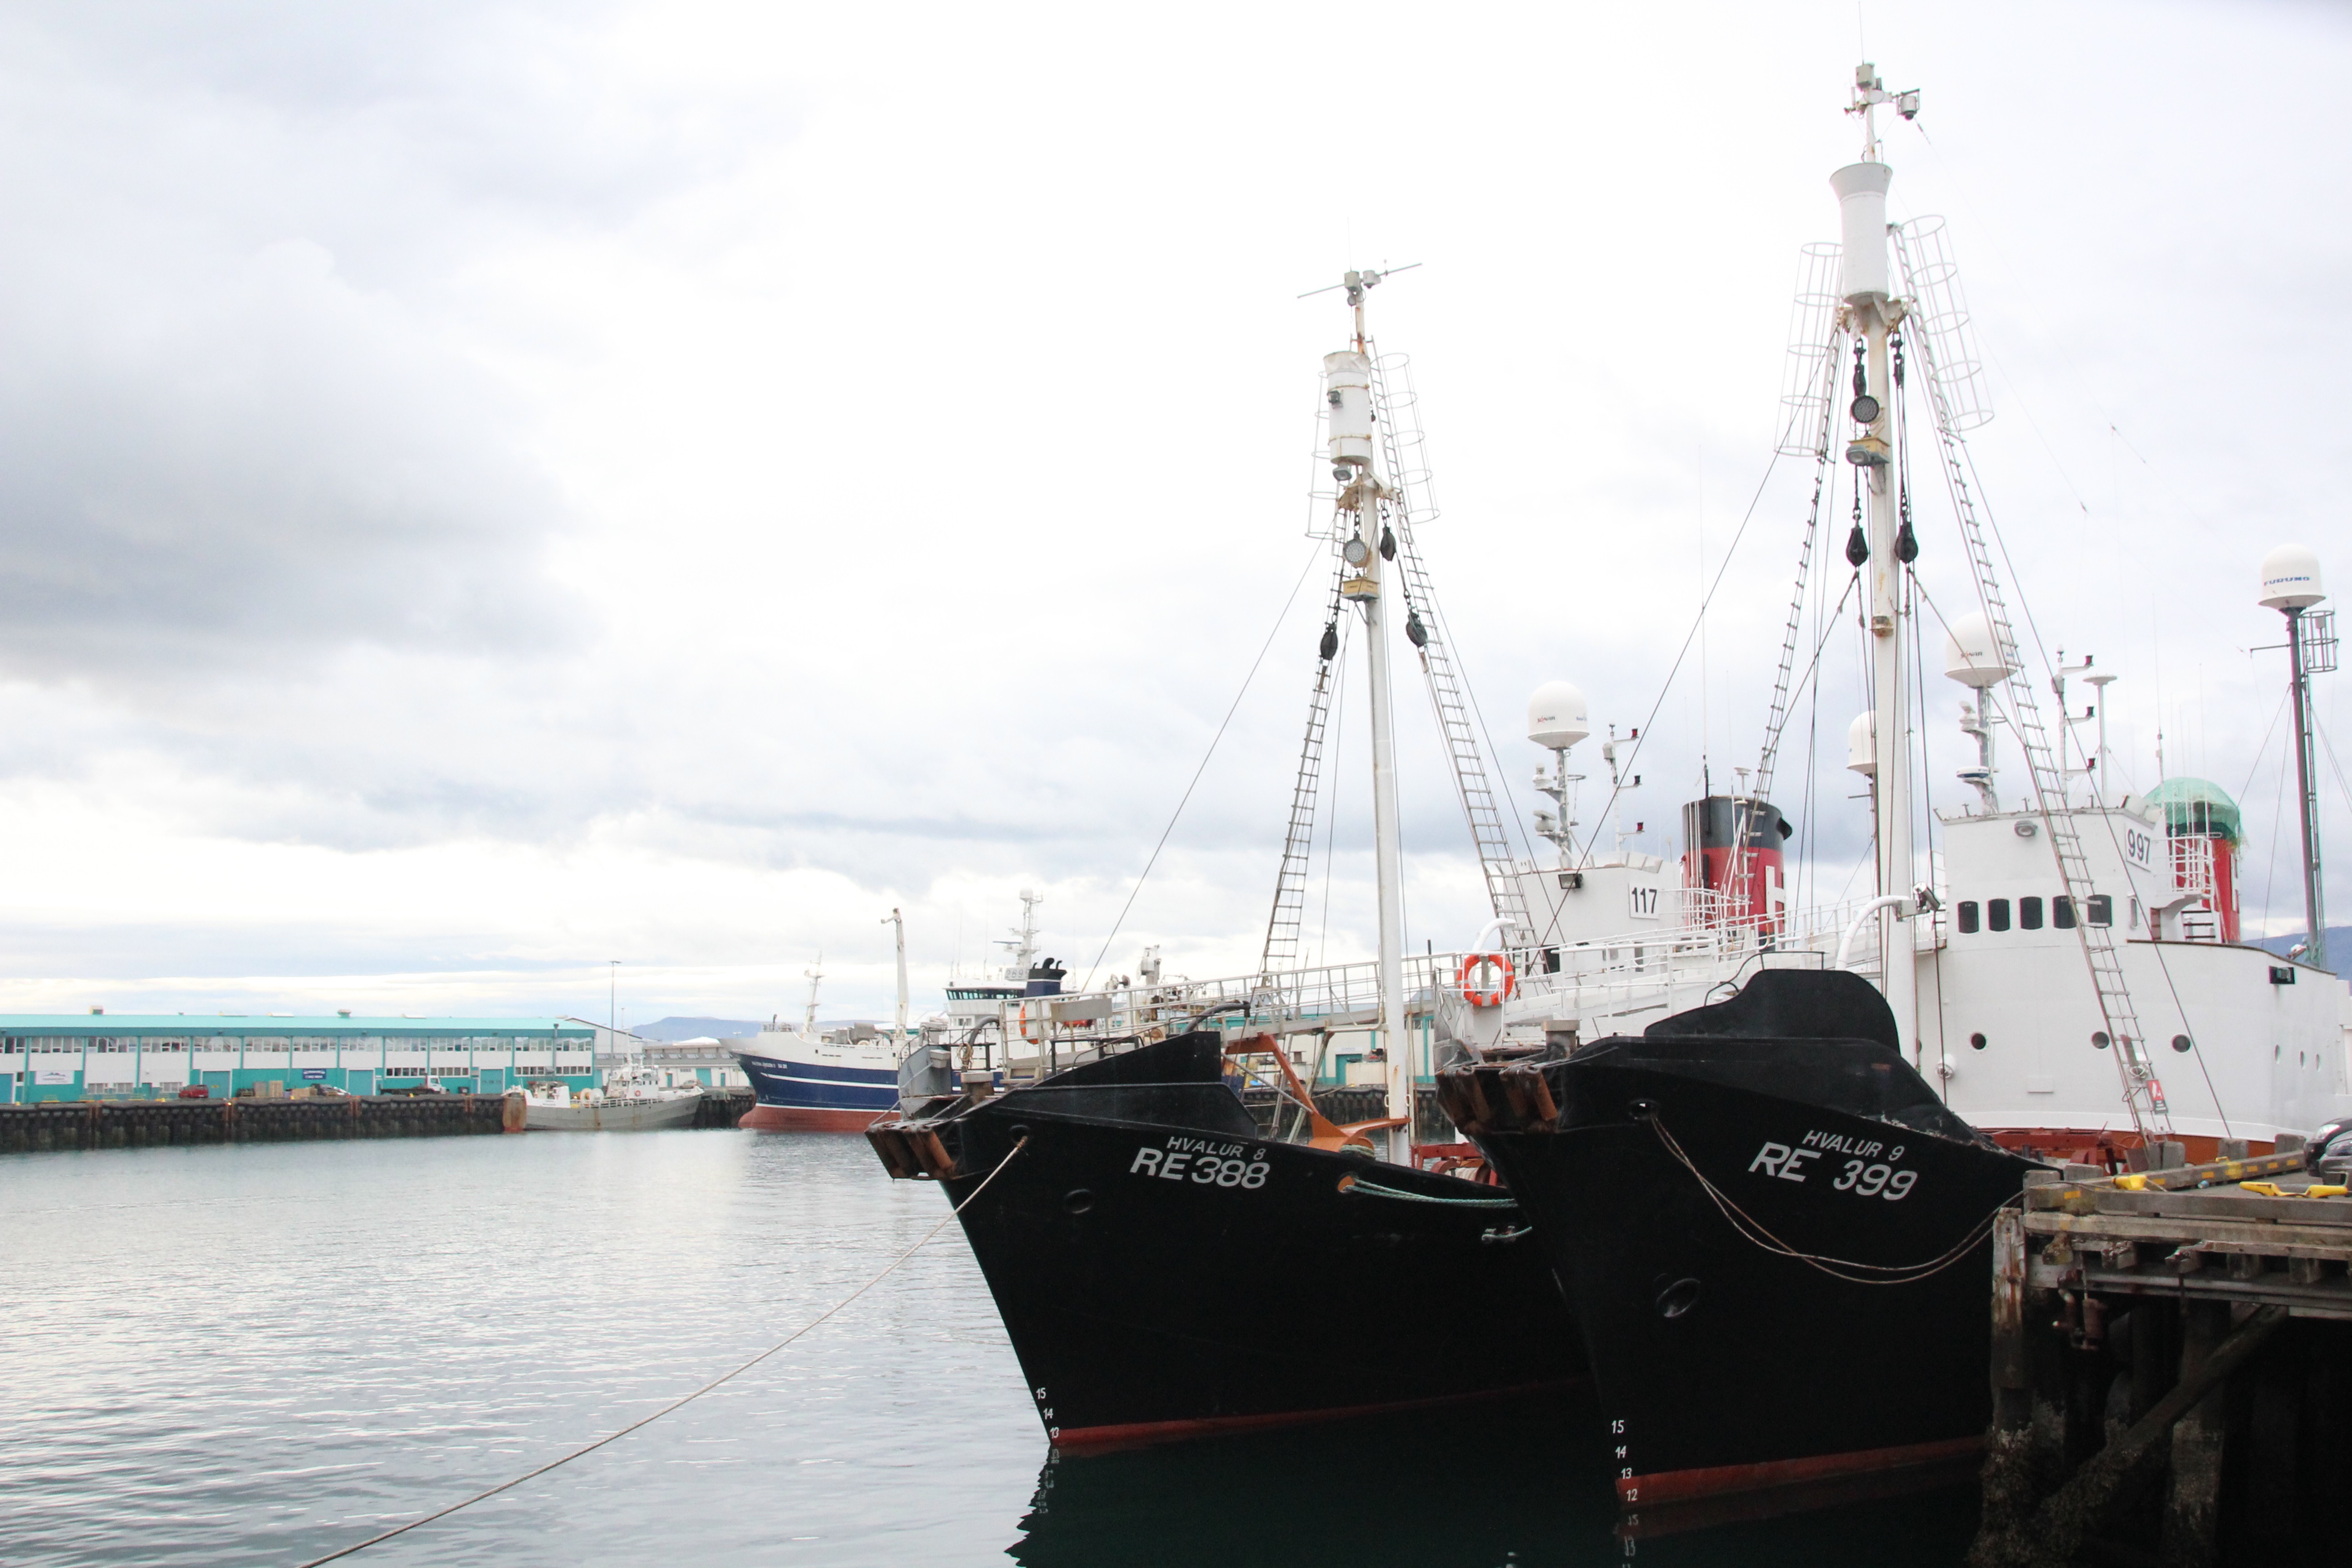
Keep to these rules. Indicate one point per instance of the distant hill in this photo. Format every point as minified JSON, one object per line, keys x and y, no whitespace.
{"x":2339,"y":946}
{"x":668,"y":1031}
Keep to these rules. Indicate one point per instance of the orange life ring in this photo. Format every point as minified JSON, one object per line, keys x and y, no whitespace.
{"x":1042,"y":1018}
{"x":1472,"y":983}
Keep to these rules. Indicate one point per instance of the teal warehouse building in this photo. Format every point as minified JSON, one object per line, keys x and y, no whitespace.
{"x":100,"y":1055}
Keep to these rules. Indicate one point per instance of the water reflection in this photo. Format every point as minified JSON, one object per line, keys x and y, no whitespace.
{"x":1489,"y":1487}
{"x":256,"y":1353}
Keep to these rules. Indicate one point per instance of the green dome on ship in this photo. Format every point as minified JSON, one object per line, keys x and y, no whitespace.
{"x":2197,"y":806}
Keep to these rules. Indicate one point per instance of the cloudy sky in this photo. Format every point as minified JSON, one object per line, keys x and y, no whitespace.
{"x":489,"y":489}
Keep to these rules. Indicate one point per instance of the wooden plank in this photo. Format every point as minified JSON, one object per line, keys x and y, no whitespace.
{"x":2072,"y":1197}
{"x":2331,"y":1299}
{"x":2229,"y":1236}
{"x":2228,"y":1205}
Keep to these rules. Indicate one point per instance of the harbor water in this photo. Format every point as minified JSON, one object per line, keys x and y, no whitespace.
{"x":258,"y":1354}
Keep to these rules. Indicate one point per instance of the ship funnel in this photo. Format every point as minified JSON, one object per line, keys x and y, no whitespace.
{"x":2291,"y":579}
{"x":1972,"y":655}
{"x":1861,"y":201}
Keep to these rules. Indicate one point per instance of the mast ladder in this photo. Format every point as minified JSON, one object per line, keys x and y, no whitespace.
{"x":1743,"y":873}
{"x":1283,"y":926}
{"x":1454,"y":718}
{"x":2143,"y":1095}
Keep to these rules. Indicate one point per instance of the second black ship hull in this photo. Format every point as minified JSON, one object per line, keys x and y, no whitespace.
{"x":1805,"y":1299}
{"x":1164,"y":1271}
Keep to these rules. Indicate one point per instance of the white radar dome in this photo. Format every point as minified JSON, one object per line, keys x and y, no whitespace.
{"x":1557,"y":719}
{"x":1862,"y":744}
{"x":2291,"y":579}
{"x":1971,"y":657}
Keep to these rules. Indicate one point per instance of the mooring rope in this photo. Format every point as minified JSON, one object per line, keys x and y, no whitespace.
{"x":1358,"y":1184}
{"x":1752,"y":1230}
{"x":723,"y":1377}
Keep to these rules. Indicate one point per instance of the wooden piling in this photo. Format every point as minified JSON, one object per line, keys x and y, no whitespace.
{"x":2192,"y":1500}
{"x":2169,"y":1356}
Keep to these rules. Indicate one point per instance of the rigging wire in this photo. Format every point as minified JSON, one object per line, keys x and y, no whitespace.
{"x":1626,"y":764}
{"x":2256,"y":766}
{"x":2320,"y":730}
{"x":1338,"y":777}
{"x":1284,"y":614}
{"x":1927,"y":800}
{"x":805,"y":1329}
{"x":2278,"y":815}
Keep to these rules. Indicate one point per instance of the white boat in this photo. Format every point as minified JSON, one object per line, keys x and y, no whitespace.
{"x":823,"y":1080}
{"x":632,"y":1100}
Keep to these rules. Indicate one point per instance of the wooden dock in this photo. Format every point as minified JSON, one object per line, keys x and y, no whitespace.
{"x":2172,"y":1370}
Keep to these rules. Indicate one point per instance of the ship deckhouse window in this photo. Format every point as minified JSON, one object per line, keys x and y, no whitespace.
{"x":2061,"y":912}
{"x":1967,"y":917}
{"x":1996,"y":914}
{"x":2028,"y":914}
{"x":1977,"y":1042}
{"x":2101,"y":909}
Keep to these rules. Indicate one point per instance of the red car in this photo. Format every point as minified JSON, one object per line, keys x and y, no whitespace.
{"x":197,"y":1091}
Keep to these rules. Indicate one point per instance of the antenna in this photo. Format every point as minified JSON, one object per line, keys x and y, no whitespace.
{"x":1356,"y":282}
{"x":1869,"y":92}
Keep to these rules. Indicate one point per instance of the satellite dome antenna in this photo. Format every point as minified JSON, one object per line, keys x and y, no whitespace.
{"x":1557,"y":720}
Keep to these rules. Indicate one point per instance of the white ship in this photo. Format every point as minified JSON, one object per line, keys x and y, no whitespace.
{"x":825,"y":1080}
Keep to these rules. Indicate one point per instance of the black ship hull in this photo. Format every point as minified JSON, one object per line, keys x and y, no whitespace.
{"x":1821,"y":1312}
{"x":1164,"y":1271}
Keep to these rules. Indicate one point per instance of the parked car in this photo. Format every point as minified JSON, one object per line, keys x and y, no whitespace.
{"x":2327,"y":1134}
{"x":2330,"y":1158}
{"x":197,"y":1091}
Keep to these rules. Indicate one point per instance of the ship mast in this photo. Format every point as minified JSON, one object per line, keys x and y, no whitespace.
{"x":2291,"y":585}
{"x":1872,"y":312}
{"x":1368,"y":549}
{"x":899,"y":922}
